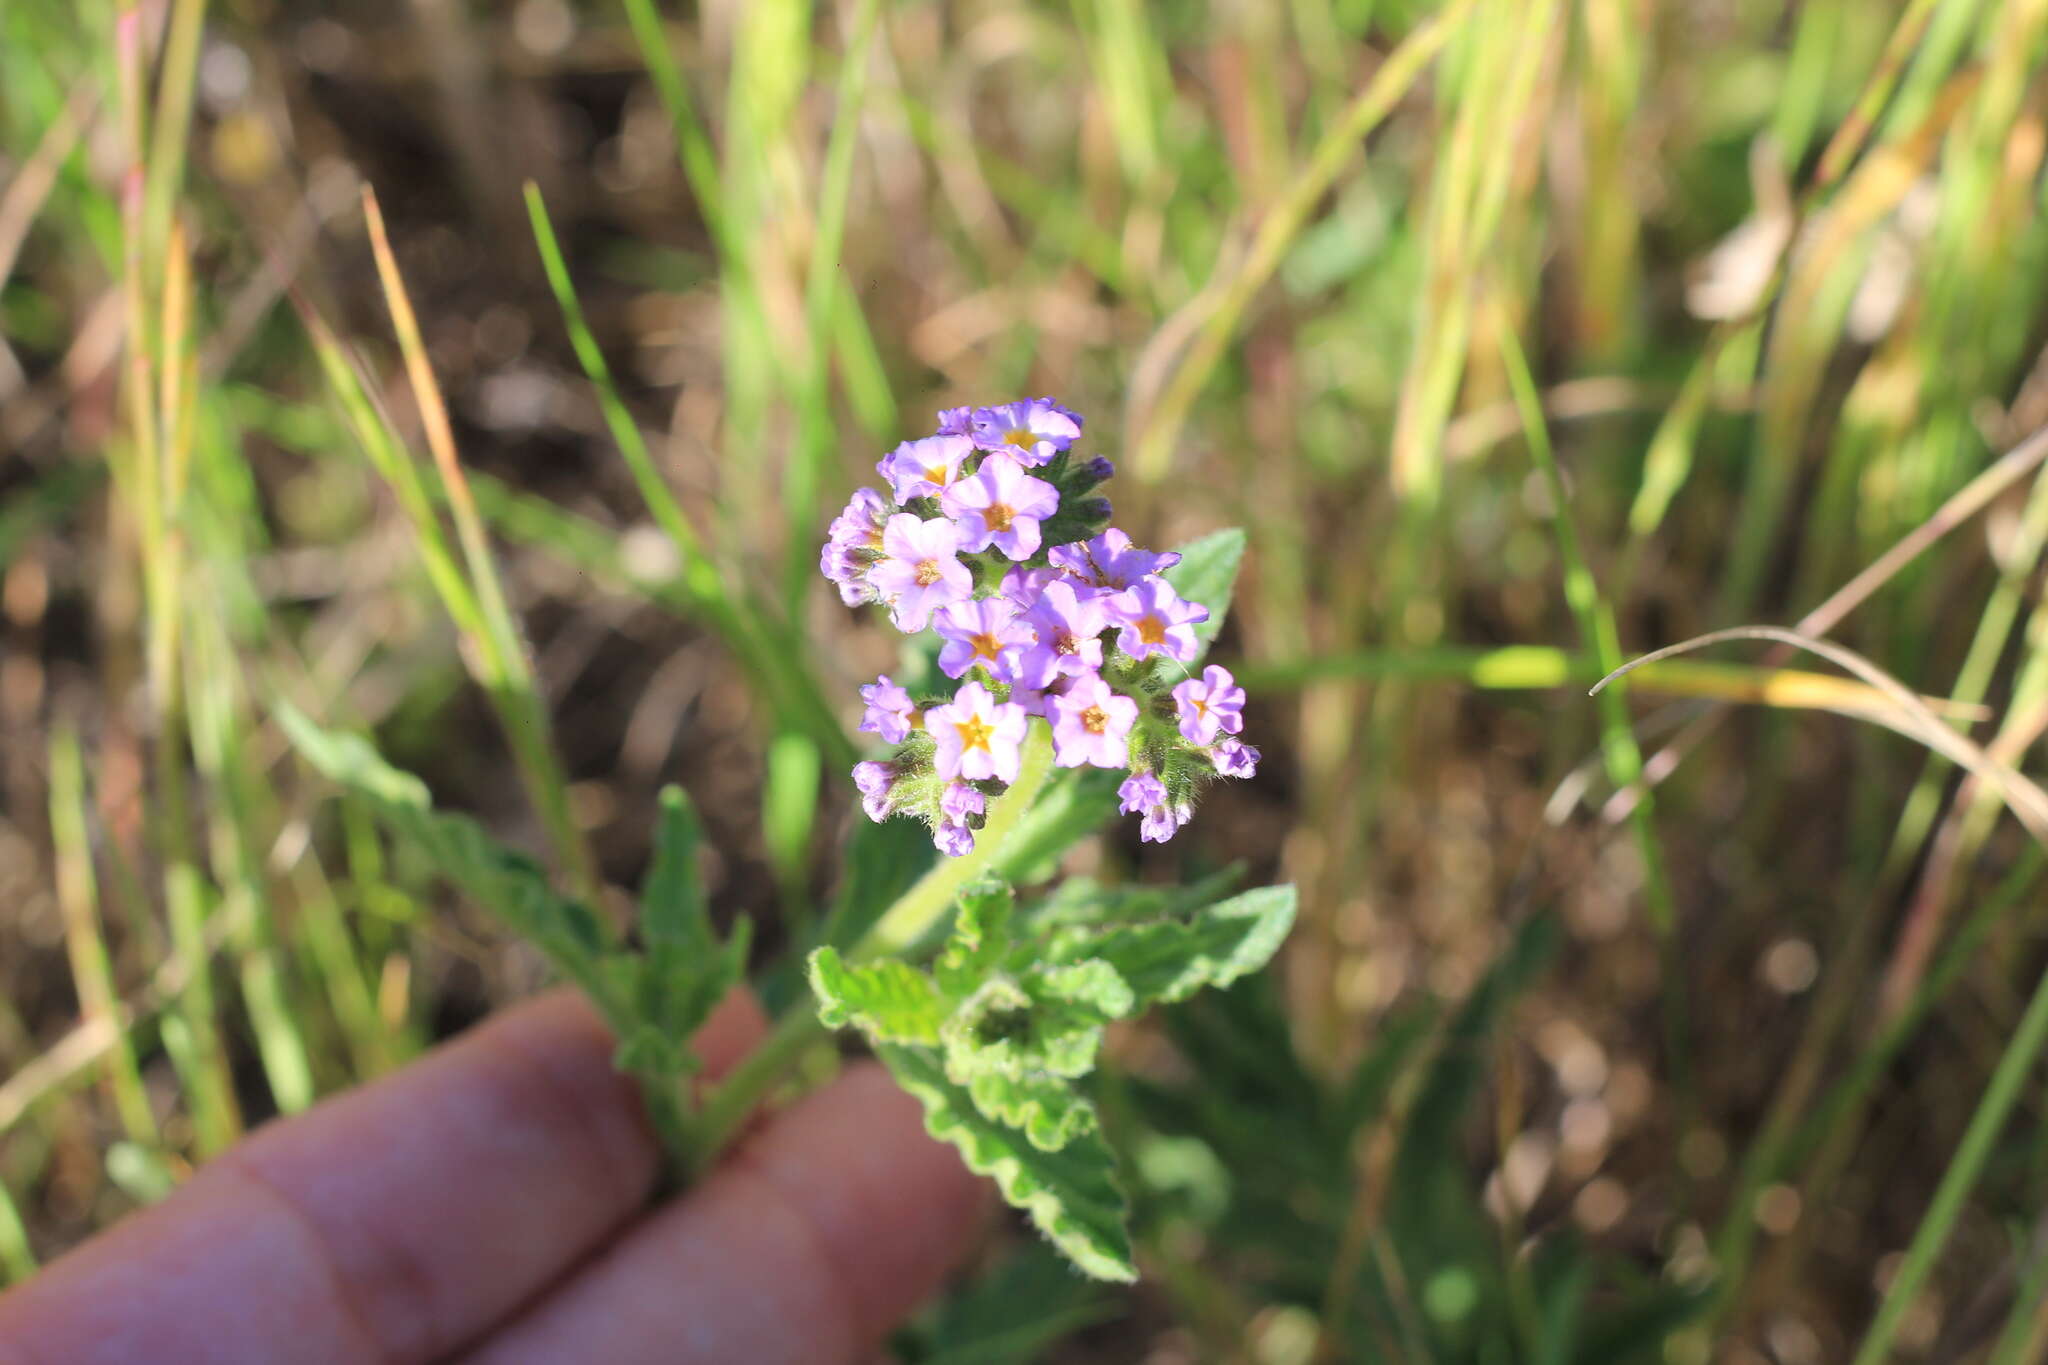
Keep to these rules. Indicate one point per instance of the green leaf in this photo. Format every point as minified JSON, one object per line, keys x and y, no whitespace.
{"x":1051,"y":1112}
{"x":1013,"y":1313}
{"x":1171,"y":959}
{"x":686,"y":971}
{"x":1091,"y":989}
{"x":1207,"y":573}
{"x":507,"y":883}
{"x":351,"y":761}
{"x":1075,"y":804}
{"x":649,"y":1051}
{"x":673,"y":908}
{"x":981,"y":937}
{"x":1049,"y":1021}
{"x":1089,"y":903}
{"x":1071,"y":1194}
{"x":889,"y":1001}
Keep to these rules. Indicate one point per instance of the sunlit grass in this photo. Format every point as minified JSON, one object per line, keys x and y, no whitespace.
{"x":1522,"y":337}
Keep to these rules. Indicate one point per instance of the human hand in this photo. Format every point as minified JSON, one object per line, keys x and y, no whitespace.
{"x":488,"y":1204}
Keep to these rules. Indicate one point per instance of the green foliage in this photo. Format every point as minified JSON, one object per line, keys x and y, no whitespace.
{"x":1008,"y":1315}
{"x":1167,"y":960}
{"x":1431,"y":1278}
{"x":504,"y":881}
{"x":1070,"y":1192}
{"x":686,"y":970}
{"x":1207,"y":573}
{"x":889,"y":1001}
{"x":655,"y":997}
{"x":994,"y":1038}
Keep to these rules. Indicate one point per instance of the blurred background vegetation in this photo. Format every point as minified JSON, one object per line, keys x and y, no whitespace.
{"x":1517,"y":333}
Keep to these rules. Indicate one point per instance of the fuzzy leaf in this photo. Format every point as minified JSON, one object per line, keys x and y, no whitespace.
{"x":1091,"y":989}
{"x":1207,"y":573}
{"x":686,"y":971}
{"x":673,"y":908}
{"x":682,"y":982}
{"x":1013,"y":1313}
{"x":1049,"y":1111}
{"x":1171,"y":959}
{"x":889,"y":1001}
{"x":1071,"y":1194}
{"x":981,"y":937}
{"x":1049,"y":1021}
{"x":1088,"y":903}
{"x":507,"y":883}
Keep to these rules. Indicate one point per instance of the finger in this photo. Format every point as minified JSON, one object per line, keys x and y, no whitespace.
{"x":393,"y":1223}
{"x":819,"y":1234}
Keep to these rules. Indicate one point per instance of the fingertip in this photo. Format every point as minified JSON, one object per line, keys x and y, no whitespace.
{"x":823,"y":1230}
{"x":891,"y":1208}
{"x":732,"y":1031}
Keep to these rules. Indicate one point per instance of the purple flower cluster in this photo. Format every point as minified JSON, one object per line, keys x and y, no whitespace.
{"x":994,"y":541}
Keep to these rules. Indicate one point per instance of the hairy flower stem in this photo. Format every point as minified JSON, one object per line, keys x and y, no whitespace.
{"x":900,"y":928}
{"x":919,"y":908}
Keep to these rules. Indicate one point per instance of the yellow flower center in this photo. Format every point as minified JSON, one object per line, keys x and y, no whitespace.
{"x":998,"y":517}
{"x":1201,"y":707}
{"x":975,"y":732}
{"x":1021,"y":438}
{"x":1152,"y":630}
{"x":936,"y":473}
{"x":985,"y":646}
{"x":1094,"y":720}
{"x":927,"y":573}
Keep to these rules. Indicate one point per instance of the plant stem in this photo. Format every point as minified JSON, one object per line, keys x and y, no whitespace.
{"x":919,"y":908}
{"x":2007,"y":1079}
{"x":747,"y":1084}
{"x":900,"y":928}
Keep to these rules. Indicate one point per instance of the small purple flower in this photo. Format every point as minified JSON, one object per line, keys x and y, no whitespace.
{"x":847,"y":568}
{"x":873,"y":781}
{"x":1110,"y":561}
{"x":1021,"y":586}
{"x":1000,"y":505}
{"x":1146,"y":795}
{"x":925,"y":468}
{"x":1033,"y":430}
{"x":956,"y":421}
{"x":890,"y":711}
{"x":1155,"y":618}
{"x":1234,"y":758}
{"x":1161,"y":823}
{"x":855,"y":538}
{"x":985,"y":631}
{"x":860,"y":523}
{"x":977,"y":736}
{"x":918,"y":573}
{"x":1208,"y":704}
{"x":958,"y":801}
{"x":1140,"y":791}
{"x":1091,"y":725}
{"x":1066,"y":626}
{"x":954,"y":839}
{"x":1035,"y":700}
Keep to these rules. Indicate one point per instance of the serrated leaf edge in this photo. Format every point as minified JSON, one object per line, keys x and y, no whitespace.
{"x":1018,"y":1185}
